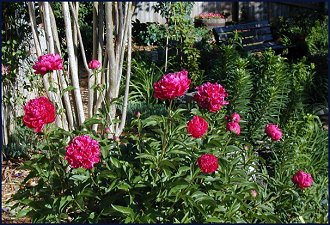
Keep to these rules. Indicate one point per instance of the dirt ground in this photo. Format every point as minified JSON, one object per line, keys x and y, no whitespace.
{"x":12,"y":177}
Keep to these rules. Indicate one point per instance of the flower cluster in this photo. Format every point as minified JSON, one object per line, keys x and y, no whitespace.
{"x":210,"y":16}
{"x":172,"y":85}
{"x":273,"y":131}
{"x":233,"y":125}
{"x":211,"y":96}
{"x":302,"y":179}
{"x":83,"y":151}
{"x":38,"y":112}
{"x":197,"y":127}
{"x":94,"y":64}
{"x":47,"y":63}
{"x":208,"y":163}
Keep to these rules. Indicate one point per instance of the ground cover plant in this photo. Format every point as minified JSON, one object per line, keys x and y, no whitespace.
{"x":238,"y":146}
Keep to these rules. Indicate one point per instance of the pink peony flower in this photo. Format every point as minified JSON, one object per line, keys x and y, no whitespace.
{"x":107,"y":130}
{"x":253,"y":193}
{"x":47,"y":63}
{"x":302,"y":179}
{"x":38,"y":112}
{"x":208,"y":163}
{"x":233,"y":127}
{"x":172,"y":85}
{"x":273,"y":131}
{"x":82,"y":151}
{"x":211,"y":96}
{"x":235,"y":117}
{"x":94,"y":64}
{"x":197,"y":127}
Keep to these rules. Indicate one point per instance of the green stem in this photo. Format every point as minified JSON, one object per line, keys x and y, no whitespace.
{"x":169,"y":131}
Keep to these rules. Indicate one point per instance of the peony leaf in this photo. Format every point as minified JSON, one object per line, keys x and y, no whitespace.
{"x":79,"y":177}
{"x":213,"y":220}
{"x":122,"y":209}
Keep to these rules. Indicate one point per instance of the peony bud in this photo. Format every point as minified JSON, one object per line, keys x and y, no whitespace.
{"x":302,"y":179}
{"x":253,"y":193}
{"x":273,"y":131}
{"x":94,"y":64}
{"x":137,"y":114}
{"x":107,"y":130}
{"x":233,"y":127}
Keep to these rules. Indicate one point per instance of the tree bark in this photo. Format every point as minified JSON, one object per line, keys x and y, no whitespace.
{"x":128,"y":75}
{"x":60,"y":119}
{"x":73,"y":63}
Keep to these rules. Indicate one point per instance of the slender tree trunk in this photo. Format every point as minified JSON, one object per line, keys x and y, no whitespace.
{"x":128,"y":76}
{"x":97,"y":79}
{"x":73,"y":63}
{"x":34,"y":27}
{"x":63,"y":82}
{"x":83,"y":54}
{"x":60,"y":119}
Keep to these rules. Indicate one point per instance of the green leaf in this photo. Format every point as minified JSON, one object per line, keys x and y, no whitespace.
{"x":147,"y":156}
{"x":115,"y":162}
{"x":69,"y":88}
{"x":178,"y":188}
{"x":213,"y":220}
{"x":87,"y":192}
{"x":92,"y":121}
{"x":23,"y":212}
{"x":152,"y":120}
{"x":179,"y":152}
{"x":64,"y":201}
{"x":124,"y":186}
{"x":167,"y":163}
{"x":232,"y":148}
{"x":79,"y":177}
{"x":122,"y":209}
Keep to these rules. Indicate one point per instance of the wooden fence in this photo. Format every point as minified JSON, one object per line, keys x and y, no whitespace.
{"x":239,"y":11}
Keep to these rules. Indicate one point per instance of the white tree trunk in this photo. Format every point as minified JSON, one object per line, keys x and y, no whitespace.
{"x":73,"y":64}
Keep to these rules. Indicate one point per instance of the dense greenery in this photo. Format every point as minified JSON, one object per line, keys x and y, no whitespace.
{"x":149,"y":174}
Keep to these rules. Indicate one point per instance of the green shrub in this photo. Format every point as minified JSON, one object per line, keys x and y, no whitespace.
{"x":150,"y":174}
{"x":23,"y":142}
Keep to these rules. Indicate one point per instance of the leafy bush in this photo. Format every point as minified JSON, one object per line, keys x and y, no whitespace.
{"x":317,"y":38}
{"x":148,"y":33}
{"x":21,"y":143}
{"x":144,"y":75}
{"x":153,"y":173}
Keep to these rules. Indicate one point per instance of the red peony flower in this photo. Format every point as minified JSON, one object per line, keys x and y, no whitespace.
{"x":235,"y":117}
{"x":82,"y":151}
{"x":233,"y":127}
{"x":38,"y":112}
{"x":302,"y":179}
{"x":211,"y":96}
{"x":208,"y":163}
{"x":94,"y":64}
{"x":172,"y":85}
{"x":273,"y":131}
{"x":197,"y":127}
{"x":47,"y":63}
